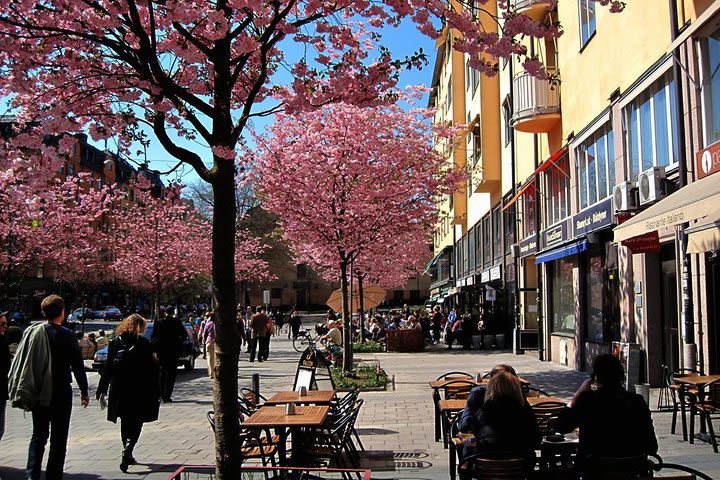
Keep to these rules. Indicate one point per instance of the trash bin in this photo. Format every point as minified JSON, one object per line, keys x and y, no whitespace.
{"x":644,"y":390}
{"x":489,"y":340}
{"x":477,"y":342}
{"x":500,"y":340}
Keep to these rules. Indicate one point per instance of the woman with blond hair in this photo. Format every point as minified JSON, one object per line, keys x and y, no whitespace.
{"x":131,"y":376}
{"x":505,"y":425}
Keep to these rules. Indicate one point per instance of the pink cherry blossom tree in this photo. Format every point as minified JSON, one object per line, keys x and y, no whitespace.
{"x":202,"y":70}
{"x":344,"y":178}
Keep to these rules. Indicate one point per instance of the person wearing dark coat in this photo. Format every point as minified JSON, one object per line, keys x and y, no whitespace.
{"x":131,"y":376}
{"x":4,"y":369}
{"x":612,"y":421}
{"x":504,"y":426}
{"x":167,"y":340}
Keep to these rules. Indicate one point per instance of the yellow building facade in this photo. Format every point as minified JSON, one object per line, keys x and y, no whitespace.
{"x":550,"y":253}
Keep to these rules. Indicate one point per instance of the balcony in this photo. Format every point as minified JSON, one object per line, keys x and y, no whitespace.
{"x":535,"y":9}
{"x":536,"y":103}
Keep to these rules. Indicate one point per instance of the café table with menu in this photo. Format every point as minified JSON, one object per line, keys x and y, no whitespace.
{"x":312,"y":397}
{"x":275,"y":417}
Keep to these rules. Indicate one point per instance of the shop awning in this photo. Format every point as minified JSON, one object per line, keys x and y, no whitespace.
{"x":693,"y":202}
{"x":705,"y":238}
{"x":550,"y":162}
{"x":561,"y":252}
{"x":434,"y":260}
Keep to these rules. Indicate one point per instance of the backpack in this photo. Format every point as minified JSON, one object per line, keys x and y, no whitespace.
{"x":122,"y":356}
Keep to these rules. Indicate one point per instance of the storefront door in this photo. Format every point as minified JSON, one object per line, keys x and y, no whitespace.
{"x":668,"y":290}
{"x":713,"y":320}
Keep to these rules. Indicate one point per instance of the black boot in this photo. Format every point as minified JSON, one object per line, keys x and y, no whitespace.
{"x":125,"y":461}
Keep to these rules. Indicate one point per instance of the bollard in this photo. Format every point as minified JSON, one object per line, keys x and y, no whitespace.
{"x":256,"y":386}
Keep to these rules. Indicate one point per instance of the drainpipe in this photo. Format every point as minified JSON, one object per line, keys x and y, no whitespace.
{"x":516,"y":263}
{"x":688,"y":323}
{"x":538,"y":196}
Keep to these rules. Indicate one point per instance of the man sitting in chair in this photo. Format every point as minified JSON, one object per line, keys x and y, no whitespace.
{"x":614,"y":423}
{"x":333,"y":339}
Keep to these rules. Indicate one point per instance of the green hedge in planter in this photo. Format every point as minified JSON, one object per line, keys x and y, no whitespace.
{"x":370,"y":346}
{"x":365,"y":377}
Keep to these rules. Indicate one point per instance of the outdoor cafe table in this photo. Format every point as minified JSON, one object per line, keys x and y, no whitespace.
{"x":699,"y":382}
{"x":276,"y":418}
{"x":314,"y":397}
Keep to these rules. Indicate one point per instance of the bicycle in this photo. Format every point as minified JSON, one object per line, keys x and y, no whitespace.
{"x":304,"y":340}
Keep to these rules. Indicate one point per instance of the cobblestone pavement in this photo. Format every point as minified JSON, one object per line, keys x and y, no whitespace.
{"x":396,"y":426}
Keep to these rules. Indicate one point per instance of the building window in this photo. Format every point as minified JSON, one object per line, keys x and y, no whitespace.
{"x":487,"y":241}
{"x":595,"y":167}
{"x":594,"y":313}
{"x":507,"y":117}
{"x":497,"y":234}
{"x":471,"y":250}
{"x":448,"y":96}
{"x":587,"y":20}
{"x":651,"y":127}
{"x":557,"y":188}
{"x":472,"y":78}
{"x":562,"y":300}
{"x":510,"y":225}
{"x":711,"y":87}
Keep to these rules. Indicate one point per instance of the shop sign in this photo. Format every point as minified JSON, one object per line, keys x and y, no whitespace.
{"x":527,"y":246}
{"x":645,"y":243}
{"x":490,"y":294}
{"x":554,"y":235}
{"x":470,"y":281}
{"x":485,"y":276}
{"x":707,"y":161}
{"x":594,"y":218}
{"x":495,"y":273}
{"x":453,"y":291}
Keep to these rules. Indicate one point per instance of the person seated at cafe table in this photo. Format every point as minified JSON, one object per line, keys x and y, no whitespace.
{"x":333,"y":338}
{"x":504,"y":426}
{"x":476,"y":398}
{"x":613,"y":422}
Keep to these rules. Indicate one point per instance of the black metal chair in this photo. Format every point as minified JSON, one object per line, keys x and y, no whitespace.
{"x":680,"y":395}
{"x":707,"y":407}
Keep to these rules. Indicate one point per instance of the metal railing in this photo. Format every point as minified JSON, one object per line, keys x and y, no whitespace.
{"x":533,"y":96}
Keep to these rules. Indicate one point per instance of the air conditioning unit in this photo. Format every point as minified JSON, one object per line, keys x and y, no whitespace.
{"x":515,"y":251}
{"x":651,"y":185}
{"x":624,"y":197}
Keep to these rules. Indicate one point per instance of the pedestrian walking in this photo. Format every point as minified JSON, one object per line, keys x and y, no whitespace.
{"x":4,"y":370}
{"x":208,"y":339}
{"x":248,"y":330}
{"x":40,"y":381}
{"x":167,"y":339}
{"x":131,"y":377}
{"x":240,"y":318}
{"x":435,"y":324}
{"x":295,"y":324}
{"x":271,"y":331}
{"x":258,"y":334}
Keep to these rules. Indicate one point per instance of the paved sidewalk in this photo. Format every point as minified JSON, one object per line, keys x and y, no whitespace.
{"x":397,"y":426}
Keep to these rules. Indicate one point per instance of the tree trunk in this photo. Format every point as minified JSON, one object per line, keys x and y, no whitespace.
{"x":347,"y":363}
{"x":227,"y":343}
{"x":362,"y":308}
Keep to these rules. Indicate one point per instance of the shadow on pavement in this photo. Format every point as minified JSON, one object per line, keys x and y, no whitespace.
{"x":7,"y":473}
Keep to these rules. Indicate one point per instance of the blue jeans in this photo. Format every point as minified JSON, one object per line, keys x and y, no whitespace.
{"x":52,"y":422}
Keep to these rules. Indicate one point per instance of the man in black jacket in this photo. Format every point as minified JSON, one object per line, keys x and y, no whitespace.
{"x":613,"y":422}
{"x":167,"y":338}
{"x":54,"y":421}
{"x":4,"y":369}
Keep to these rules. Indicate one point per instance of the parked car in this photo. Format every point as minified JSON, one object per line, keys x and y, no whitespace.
{"x":80,"y":314}
{"x":108,"y":313}
{"x":17,"y":318}
{"x":190,"y":350}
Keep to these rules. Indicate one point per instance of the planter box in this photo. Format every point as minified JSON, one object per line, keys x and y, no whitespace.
{"x":405,"y":340}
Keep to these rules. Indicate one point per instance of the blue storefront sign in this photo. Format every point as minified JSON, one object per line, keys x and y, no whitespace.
{"x":555,"y":235}
{"x":593,"y":218}
{"x":527,"y":246}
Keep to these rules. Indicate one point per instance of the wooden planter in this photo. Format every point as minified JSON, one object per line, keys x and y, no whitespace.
{"x":405,"y":340}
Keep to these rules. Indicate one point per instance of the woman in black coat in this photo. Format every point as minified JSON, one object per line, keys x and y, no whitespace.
{"x":131,"y":374}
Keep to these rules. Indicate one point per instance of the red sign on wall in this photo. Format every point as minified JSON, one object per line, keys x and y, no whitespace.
{"x":645,"y":243}
{"x":707,"y":161}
